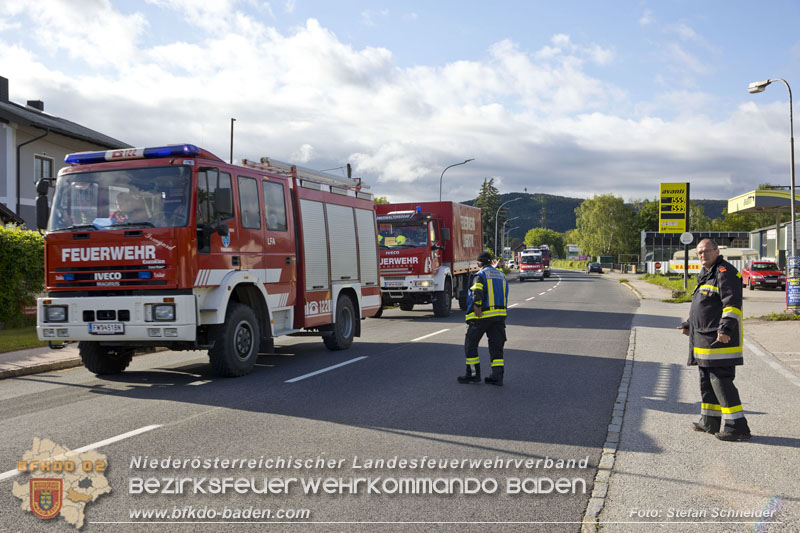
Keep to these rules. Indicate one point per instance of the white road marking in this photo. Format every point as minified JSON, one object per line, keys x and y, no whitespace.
{"x":201,"y":382}
{"x":550,"y":289}
{"x":100,"y":444}
{"x":430,"y":335}
{"x":531,"y":298}
{"x":298,"y":378}
{"x":512,"y":305}
{"x":542,"y":293}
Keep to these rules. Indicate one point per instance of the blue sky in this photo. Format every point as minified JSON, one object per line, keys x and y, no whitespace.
{"x":571,"y":98}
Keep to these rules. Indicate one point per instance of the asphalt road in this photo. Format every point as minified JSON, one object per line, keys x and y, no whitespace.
{"x":396,"y":397}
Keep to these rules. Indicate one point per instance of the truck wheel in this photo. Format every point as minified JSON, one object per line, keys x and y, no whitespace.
{"x":379,"y":313}
{"x":236,"y":342}
{"x":104,"y":360}
{"x":443,"y":302}
{"x":406,"y":306}
{"x":345,"y":326}
{"x":462,"y":303}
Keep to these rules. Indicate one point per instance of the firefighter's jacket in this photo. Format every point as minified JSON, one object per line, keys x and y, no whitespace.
{"x":490,"y":291}
{"x":716,"y":308}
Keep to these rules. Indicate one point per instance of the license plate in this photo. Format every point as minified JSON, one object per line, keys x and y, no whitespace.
{"x":106,"y":328}
{"x":771,"y":281}
{"x":394,"y":283}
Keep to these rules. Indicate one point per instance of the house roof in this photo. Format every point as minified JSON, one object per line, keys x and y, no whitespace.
{"x":7,"y":215}
{"x":26,"y":116}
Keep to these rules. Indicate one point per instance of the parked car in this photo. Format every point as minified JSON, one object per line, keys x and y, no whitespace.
{"x":510,"y":263}
{"x":763,"y":274}
{"x":594,"y":267}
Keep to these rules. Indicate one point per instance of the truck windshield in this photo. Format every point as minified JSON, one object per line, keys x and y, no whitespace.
{"x":405,"y":236}
{"x":530,"y":260}
{"x":144,"y":197}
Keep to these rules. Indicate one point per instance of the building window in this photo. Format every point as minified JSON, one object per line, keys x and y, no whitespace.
{"x":42,"y":167}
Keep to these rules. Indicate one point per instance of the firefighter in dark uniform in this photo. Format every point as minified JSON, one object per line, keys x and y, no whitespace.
{"x":715,"y":344}
{"x":486,"y":313}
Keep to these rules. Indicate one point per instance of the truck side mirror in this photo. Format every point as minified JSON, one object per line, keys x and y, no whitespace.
{"x":445,"y":234}
{"x":43,"y":187}
{"x":222,"y":229}
{"x":42,"y":211}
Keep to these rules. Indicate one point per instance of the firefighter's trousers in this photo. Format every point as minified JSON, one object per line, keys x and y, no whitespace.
{"x":721,"y":408}
{"x":495,"y":330}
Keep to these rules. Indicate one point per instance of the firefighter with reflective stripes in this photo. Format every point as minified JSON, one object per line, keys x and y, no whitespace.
{"x":715,"y":346}
{"x":486,"y":313}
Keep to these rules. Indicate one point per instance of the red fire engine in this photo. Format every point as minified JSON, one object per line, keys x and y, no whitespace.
{"x":429,"y":251}
{"x":171,"y":246}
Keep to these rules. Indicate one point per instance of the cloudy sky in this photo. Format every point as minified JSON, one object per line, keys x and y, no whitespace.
{"x":572,"y":98}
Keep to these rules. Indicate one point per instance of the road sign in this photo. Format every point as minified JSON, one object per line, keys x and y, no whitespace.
{"x":673,"y":212}
{"x":658,"y":265}
{"x":686,"y":238}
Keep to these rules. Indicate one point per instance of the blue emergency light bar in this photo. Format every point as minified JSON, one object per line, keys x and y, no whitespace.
{"x":173,"y":150}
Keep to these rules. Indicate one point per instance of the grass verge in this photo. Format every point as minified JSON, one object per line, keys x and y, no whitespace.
{"x":779,"y":317}
{"x":19,"y":339}
{"x":672,"y":284}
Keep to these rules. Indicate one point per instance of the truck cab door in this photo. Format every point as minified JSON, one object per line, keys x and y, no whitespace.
{"x":216,"y":232}
{"x":280,"y":255}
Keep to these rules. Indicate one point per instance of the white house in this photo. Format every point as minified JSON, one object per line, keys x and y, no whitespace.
{"x":33,"y":145}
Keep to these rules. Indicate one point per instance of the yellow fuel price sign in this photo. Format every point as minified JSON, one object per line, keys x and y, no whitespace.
{"x":673,"y":212}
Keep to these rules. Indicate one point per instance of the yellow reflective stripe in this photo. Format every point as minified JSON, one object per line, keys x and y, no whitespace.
{"x":495,"y":312}
{"x":490,"y":290}
{"x":477,"y":302}
{"x":505,"y":290}
{"x":732,"y":311}
{"x":712,"y":351}
{"x":476,"y":285}
{"x":739,"y":274}
{"x":710,"y":406}
{"x":473,"y":360}
{"x":471,"y":316}
{"x":497,"y":362}
{"x":731,"y":410}
{"x":709,"y":288}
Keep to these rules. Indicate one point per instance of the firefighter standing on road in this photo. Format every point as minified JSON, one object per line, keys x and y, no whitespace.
{"x":486,"y":313}
{"x":715,"y":346}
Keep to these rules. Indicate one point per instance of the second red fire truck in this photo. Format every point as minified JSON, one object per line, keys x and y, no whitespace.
{"x":171,"y":246}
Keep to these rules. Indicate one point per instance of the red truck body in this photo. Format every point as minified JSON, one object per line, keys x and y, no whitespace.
{"x":208,"y":256}
{"x":545,"y":251}
{"x":428,"y":252}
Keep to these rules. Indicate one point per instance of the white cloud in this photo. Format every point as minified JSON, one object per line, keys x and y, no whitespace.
{"x":289,"y":6}
{"x":531,"y":118}
{"x":647,"y":18}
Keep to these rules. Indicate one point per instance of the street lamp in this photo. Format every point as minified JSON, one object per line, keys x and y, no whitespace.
{"x":503,"y":233}
{"x":443,"y":171}
{"x":759,"y":87}
{"x":507,"y":232}
{"x":495,"y":220}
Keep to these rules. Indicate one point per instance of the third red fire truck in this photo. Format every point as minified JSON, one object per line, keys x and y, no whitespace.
{"x":171,"y":246}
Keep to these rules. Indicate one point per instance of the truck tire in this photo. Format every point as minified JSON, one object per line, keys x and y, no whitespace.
{"x":345,"y":326}
{"x":443,"y":301}
{"x":462,"y":303}
{"x":236,"y":342}
{"x":104,"y":360}
{"x":406,"y":306}
{"x":379,"y":313}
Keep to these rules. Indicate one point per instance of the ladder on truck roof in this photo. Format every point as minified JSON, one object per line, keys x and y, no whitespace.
{"x":268,"y":164}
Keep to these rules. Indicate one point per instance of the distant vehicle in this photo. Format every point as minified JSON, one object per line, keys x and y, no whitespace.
{"x":545,"y":251}
{"x":763,"y":274}
{"x":511,"y":264}
{"x":594,"y":267}
{"x":531,"y":266}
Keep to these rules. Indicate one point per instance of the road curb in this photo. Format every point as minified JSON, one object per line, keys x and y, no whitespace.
{"x":634,"y":289}
{"x":43,"y":367}
{"x":606,"y":466}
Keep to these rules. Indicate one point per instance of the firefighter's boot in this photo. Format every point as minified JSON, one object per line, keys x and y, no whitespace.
{"x":473,"y":375}
{"x":496,"y":378}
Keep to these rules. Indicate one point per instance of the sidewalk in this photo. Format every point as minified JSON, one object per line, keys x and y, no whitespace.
{"x":663,"y":476}
{"x":37,"y":360}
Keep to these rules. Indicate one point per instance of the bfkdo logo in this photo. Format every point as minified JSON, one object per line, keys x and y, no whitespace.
{"x":62,"y":482}
{"x":46,"y":497}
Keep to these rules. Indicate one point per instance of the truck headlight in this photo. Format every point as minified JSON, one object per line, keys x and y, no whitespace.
{"x":55,"y":313}
{"x":423,"y":283}
{"x":164,"y":312}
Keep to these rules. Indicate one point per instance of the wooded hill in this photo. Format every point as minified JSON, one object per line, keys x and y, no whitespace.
{"x":558,"y":212}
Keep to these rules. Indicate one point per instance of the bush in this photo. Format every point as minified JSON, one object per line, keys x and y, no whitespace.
{"x":21,"y":270}
{"x":571,"y":265}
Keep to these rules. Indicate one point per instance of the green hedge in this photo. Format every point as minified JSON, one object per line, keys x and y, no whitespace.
{"x":572,"y":265}
{"x":21,"y":270}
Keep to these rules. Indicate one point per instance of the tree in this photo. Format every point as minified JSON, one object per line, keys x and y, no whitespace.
{"x":698,"y":221}
{"x":646,"y":214}
{"x":606,"y":226}
{"x":381,"y":200}
{"x":539,"y":236}
{"x":488,"y":200}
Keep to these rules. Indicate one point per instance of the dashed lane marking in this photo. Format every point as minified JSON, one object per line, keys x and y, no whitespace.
{"x":304,"y":376}
{"x":430,"y":335}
